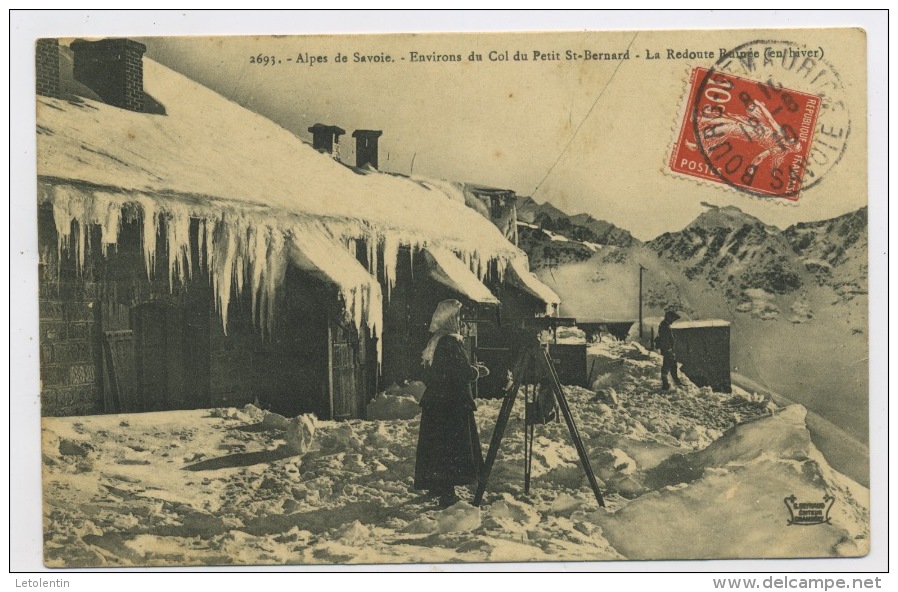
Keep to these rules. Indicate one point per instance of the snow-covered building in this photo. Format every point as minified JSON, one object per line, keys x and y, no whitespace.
{"x":195,"y":254}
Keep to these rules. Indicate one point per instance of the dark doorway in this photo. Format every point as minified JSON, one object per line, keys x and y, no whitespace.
{"x":290,"y":365}
{"x":171,"y":347}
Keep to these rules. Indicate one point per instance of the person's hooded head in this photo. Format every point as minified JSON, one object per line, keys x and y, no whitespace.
{"x":671,"y":316}
{"x":446,"y":320}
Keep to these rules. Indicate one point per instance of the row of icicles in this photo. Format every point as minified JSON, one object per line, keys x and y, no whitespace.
{"x":243,"y":249}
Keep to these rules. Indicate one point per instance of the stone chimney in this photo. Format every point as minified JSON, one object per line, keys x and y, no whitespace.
{"x":47,"y":68}
{"x":366,"y":147}
{"x":325,"y":137}
{"x":112,"y":68}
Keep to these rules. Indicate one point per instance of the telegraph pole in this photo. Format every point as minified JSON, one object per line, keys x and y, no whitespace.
{"x":641,"y":269}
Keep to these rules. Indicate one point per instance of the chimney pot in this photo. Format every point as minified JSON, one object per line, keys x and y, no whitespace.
{"x":112,"y":68}
{"x":366,"y":147}
{"x":47,"y":68}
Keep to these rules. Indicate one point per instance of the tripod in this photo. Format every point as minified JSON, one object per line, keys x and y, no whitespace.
{"x":533,"y":363}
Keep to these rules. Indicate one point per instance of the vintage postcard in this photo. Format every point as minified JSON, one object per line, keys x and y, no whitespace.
{"x":431,"y":298}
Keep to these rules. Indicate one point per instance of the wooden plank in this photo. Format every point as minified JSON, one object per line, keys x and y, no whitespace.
{"x":330,"y":368}
{"x":118,"y":354}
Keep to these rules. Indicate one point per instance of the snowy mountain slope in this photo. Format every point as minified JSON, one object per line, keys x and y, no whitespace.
{"x":231,"y":486}
{"x":761,"y":270}
{"x":585,"y":227}
{"x":529,"y":210}
{"x":734,"y":252}
{"x":757,"y":269}
{"x":579,"y":227}
{"x":835,"y":251}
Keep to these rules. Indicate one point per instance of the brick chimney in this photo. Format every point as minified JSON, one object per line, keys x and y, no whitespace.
{"x":112,"y":68}
{"x":47,"y":68}
{"x":324,"y":137}
{"x":366,"y":147}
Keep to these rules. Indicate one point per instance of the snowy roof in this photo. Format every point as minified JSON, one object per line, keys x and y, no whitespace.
{"x":700,"y":324}
{"x":447,"y":269}
{"x":263,"y":198}
{"x":519,"y":275}
{"x":210,"y":151}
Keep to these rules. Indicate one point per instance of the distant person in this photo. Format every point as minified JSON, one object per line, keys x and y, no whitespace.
{"x":665,"y":343}
{"x":449,"y":452}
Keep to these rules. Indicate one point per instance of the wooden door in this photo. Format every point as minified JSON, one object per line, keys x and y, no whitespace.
{"x":119,"y":377}
{"x":171,"y":357}
{"x":348,"y":371}
{"x":151,"y":346}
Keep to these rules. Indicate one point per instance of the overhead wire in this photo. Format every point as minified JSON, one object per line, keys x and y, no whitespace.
{"x":585,"y":117}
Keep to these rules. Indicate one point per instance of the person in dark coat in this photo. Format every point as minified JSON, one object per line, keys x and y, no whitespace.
{"x":665,"y":343}
{"x":449,"y":452}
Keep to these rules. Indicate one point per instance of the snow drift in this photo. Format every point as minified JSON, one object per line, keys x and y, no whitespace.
{"x":686,"y":474}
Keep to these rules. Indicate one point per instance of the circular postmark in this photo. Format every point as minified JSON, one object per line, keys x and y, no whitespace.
{"x":769,"y":118}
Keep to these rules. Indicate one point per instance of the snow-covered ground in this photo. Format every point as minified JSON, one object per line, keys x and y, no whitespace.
{"x":686,"y":474}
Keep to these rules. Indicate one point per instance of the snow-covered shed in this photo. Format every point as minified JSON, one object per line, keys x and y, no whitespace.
{"x":194,"y":253}
{"x":703,"y":351}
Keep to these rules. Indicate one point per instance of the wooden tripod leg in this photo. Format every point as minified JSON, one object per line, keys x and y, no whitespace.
{"x":528,"y":442}
{"x":501,"y":424}
{"x":571,"y":426}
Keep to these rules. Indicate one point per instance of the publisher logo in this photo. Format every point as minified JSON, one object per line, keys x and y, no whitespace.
{"x":807,"y":513}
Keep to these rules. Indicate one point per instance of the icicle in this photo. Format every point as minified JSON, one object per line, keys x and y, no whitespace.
{"x":391,"y":253}
{"x":275,"y":272}
{"x":372,"y":244}
{"x":258,"y":259}
{"x":210,"y":250}
{"x":223,"y":272}
{"x":374,"y":312}
{"x":69,"y":206}
{"x":63,"y":221}
{"x":108,"y":212}
{"x":200,"y":247}
{"x":501,"y":264}
{"x":178,"y":242}
{"x":82,"y":234}
{"x":476,"y":265}
{"x":357,"y":302}
{"x":72,"y":206}
{"x":239,"y":269}
{"x":150,"y":219}
{"x":365,"y":305}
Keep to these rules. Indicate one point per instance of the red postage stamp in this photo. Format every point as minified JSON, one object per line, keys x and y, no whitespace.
{"x":751,"y":135}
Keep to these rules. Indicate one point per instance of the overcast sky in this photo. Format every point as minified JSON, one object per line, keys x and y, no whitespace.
{"x":586,"y":136}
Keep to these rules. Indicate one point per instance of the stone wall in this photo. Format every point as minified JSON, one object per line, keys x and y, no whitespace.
{"x":69,"y":352}
{"x":47,"y":68}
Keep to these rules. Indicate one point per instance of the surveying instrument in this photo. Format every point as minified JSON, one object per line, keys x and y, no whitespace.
{"x":535,"y":372}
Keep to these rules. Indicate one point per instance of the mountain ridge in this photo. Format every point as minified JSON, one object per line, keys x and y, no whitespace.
{"x":733,"y":251}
